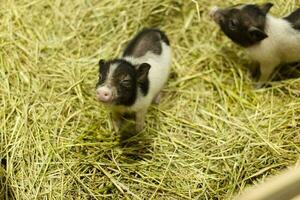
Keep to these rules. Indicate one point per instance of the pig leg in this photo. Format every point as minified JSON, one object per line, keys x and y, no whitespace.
{"x":116,"y":120}
{"x":156,"y":99}
{"x":266,"y":70}
{"x":140,"y":120}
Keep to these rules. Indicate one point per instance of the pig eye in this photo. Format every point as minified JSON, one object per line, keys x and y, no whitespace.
{"x":125,"y":82}
{"x":232,"y":24}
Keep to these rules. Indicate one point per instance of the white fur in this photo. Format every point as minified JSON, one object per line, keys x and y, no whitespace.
{"x":111,"y":71}
{"x":158,"y":75}
{"x":107,"y":84}
{"x":281,"y":46}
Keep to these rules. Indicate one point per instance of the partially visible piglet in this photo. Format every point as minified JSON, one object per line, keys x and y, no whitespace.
{"x":129,"y":84}
{"x":269,"y":40}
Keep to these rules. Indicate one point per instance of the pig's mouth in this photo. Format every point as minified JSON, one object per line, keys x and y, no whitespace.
{"x":106,"y":101}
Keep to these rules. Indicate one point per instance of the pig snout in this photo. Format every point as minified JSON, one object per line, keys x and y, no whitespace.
{"x":104,"y":94}
{"x":215,"y":14}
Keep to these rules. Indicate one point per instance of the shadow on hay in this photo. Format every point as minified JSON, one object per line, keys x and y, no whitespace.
{"x":288,"y":71}
{"x":283,"y":72}
{"x":135,"y":146}
{"x":130,"y":145}
{"x":5,"y":190}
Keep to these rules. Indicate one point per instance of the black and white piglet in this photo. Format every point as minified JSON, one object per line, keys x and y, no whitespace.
{"x":269,"y":40}
{"x":131,"y":83}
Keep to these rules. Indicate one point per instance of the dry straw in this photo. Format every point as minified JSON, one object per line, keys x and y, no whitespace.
{"x":211,"y":136}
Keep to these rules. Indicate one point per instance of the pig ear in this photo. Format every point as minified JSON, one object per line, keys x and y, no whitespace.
{"x":256,"y":34}
{"x":265,"y":8}
{"x":101,"y":62}
{"x":101,"y":65}
{"x":142,"y":71}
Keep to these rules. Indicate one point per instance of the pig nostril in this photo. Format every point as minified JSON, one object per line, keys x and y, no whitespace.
{"x":104,"y":95}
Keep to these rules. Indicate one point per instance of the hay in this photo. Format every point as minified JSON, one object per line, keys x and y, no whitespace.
{"x":211,"y":136}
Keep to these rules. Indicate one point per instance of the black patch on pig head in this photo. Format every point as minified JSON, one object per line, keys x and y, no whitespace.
{"x":294,"y":19}
{"x":103,"y":71}
{"x":244,"y":24}
{"x":124,"y":79}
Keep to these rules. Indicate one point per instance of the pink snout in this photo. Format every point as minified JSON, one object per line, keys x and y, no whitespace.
{"x":104,"y":94}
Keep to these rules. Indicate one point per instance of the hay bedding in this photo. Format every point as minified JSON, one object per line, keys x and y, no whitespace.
{"x":211,"y":136}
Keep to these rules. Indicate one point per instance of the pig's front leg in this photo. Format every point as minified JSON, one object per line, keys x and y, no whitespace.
{"x":116,"y":120}
{"x":266,"y":70}
{"x":140,"y":120}
{"x":254,"y":70}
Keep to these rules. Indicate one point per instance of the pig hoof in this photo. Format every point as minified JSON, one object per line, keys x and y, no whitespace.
{"x":116,"y":126}
{"x":258,"y":85}
{"x":139,"y":128}
{"x":156,"y":100}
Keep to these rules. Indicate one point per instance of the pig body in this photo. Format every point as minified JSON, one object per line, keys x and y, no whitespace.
{"x":269,"y":40}
{"x":158,"y":75}
{"x":281,"y":46}
{"x":135,"y":80}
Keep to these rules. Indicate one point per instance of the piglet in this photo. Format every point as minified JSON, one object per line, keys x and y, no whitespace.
{"x":130,"y":84}
{"x":269,"y":40}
